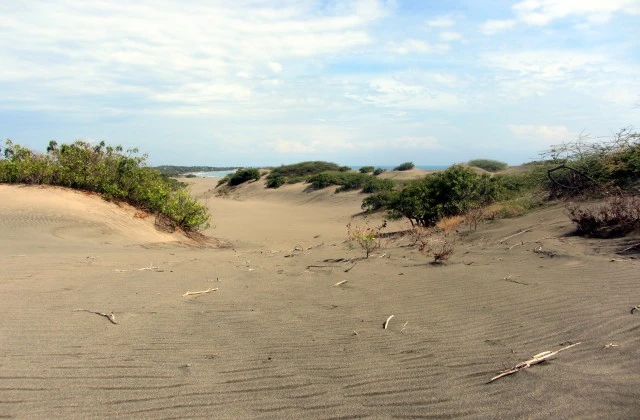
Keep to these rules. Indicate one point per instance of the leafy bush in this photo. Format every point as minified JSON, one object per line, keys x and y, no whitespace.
{"x":404,"y":166}
{"x":378,"y":201}
{"x":275,"y":181}
{"x":378,"y":171}
{"x":300,"y":172}
{"x":488,"y":164}
{"x":366,"y":169}
{"x":447,"y":193}
{"x":243,"y":175}
{"x":374,"y":185}
{"x":110,"y":171}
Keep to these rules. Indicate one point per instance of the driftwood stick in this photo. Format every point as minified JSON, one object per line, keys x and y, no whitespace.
{"x":386,"y":323}
{"x":340,"y":282}
{"x":629,"y":248}
{"x":635,"y":308}
{"x":200,"y":292}
{"x":538,"y":358}
{"x":150,"y":267}
{"x":515,"y":234}
{"x":110,"y":316}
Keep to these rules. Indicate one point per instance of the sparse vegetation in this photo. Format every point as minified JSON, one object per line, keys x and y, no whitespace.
{"x":488,"y":164}
{"x":378,"y":171}
{"x":243,"y":175}
{"x":366,"y":236}
{"x":301,"y":172}
{"x":616,"y":216}
{"x":117,"y":174}
{"x":404,"y":166}
{"x":366,"y":169}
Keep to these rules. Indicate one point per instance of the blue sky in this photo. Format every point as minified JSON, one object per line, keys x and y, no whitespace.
{"x":265,"y":82}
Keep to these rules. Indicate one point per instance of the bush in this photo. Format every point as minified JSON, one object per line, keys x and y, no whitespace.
{"x":366,"y":169}
{"x":275,"y":181}
{"x":616,"y":216}
{"x":488,"y":164}
{"x":243,"y":175}
{"x":378,"y":171}
{"x":375,"y":185}
{"x":448,"y":193}
{"x":378,"y":201}
{"x":583,"y":166}
{"x":404,"y":166}
{"x":300,"y":172}
{"x":110,"y":171}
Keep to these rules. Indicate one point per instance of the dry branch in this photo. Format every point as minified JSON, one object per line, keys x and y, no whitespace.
{"x":200,"y":292}
{"x":538,"y":358}
{"x":340,"y":282}
{"x":111,"y":317}
{"x":629,"y":248}
{"x":635,"y":308}
{"x":386,"y":323}
{"x":150,"y":267}
{"x":515,"y":234}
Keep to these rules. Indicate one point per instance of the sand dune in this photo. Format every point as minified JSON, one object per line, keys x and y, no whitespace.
{"x":278,"y":340}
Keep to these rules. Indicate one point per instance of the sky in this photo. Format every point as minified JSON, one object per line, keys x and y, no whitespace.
{"x":357,"y":82}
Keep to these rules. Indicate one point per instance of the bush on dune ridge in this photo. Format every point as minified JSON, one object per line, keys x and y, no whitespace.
{"x":111,"y":171}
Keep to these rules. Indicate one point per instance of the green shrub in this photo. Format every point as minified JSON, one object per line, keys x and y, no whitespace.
{"x":366,"y":169}
{"x":275,"y":181}
{"x":404,"y":166}
{"x":488,"y":164}
{"x":243,"y":175}
{"x":374,"y":185}
{"x":378,"y":171}
{"x":110,"y":171}
{"x":447,"y":193}
{"x":300,"y":172}
{"x":378,"y":201}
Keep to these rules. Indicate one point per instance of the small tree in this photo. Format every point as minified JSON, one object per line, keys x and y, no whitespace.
{"x":404,"y":166}
{"x":366,"y":236}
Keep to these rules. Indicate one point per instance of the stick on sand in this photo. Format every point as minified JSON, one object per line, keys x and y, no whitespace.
{"x":515,"y":234}
{"x":386,"y":323}
{"x":200,"y":292}
{"x":110,"y":316}
{"x":340,"y":282}
{"x":538,"y":358}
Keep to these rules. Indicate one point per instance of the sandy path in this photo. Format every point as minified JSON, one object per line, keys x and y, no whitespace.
{"x":276,"y":340}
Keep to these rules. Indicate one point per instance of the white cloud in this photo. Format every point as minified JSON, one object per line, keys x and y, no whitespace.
{"x":409,"y":46}
{"x":492,"y":27}
{"x":543,"y":12}
{"x":275,"y":67}
{"x":450,"y":36}
{"x":542,"y":135}
{"x":441,"y":22}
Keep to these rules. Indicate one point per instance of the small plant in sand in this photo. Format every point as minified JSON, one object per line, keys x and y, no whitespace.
{"x":440,"y":247}
{"x":366,"y":236}
{"x":473,"y":216}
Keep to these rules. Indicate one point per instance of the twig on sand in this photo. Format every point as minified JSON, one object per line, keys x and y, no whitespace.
{"x":315,"y":246}
{"x":404,"y":326}
{"x":508,"y":278}
{"x":515,"y":234}
{"x":111,"y":317}
{"x":608,"y":346}
{"x":538,"y":358}
{"x":629,"y":248}
{"x":200,"y":292}
{"x":350,"y":268}
{"x":386,"y":323}
{"x":150,"y":267}
{"x":635,"y":308}
{"x":340,"y":282}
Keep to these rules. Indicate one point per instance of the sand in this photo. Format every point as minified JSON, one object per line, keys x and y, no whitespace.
{"x":275,"y":338}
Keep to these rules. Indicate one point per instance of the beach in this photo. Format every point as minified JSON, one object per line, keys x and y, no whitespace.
{"x":276,"y":315}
